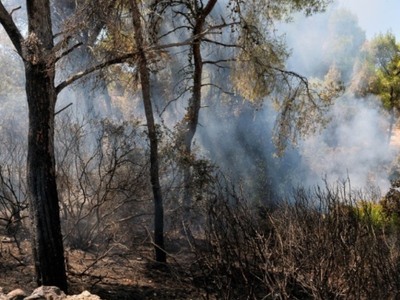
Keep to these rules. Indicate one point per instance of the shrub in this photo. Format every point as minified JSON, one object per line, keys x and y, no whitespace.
{"x":323,"y":244}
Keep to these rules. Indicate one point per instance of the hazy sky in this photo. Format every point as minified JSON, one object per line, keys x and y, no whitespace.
{"x":375,"y":16}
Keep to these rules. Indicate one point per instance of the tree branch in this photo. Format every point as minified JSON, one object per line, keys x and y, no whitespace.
{"x":79,"y":75}
{"x":209,"y":7}
{"x":128,"y":56}
{"x":188,"y":41}
{"x":14,"y":10}
{"x":217,"y":62}
{"x":11,"y":28}
{"x":62,"y":109}
{"x":68,"y":51}
{"x":219,"y":88}
{"x":222,"y":44}
{"x":173,"y":30}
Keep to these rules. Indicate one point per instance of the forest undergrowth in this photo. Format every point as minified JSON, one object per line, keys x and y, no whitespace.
{"x":326,"y":243}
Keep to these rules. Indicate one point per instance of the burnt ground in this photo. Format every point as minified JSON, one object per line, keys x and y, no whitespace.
{"x":115,"y":273}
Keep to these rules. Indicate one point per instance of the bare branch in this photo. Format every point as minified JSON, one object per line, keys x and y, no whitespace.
{"x":218,"y":62}
{"x":185,"y":16}
{"x":11,"y":28}
{"x":79,"y":75}
{"x":174,"y":30}
{"x":221,"y":43}
{"x":174,"y":100}
{"x":220,"y":88}
{"x":62,"y":109}
{"x":14,"y":10}
{"x":303,"y":79}
{"x":68,"y":51}
{"x":193,"y":38}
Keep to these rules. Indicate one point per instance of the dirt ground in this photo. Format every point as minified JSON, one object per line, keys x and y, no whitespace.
{"x":117,"y":273}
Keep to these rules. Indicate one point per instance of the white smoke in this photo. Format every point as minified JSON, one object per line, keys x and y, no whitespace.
{"x":354,"y":146}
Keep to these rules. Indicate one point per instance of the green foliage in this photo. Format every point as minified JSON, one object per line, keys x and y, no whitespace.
{"x":259,"y":70}
{"x":303,"y":108}
{"x":372,"y":214}
{"x":391,"y":202}
{"x":387,"y":83}
{"x":253,"y":75}
{"x":261,"y":60}
{"x":382,"y":215}
{"x":378,"y":71}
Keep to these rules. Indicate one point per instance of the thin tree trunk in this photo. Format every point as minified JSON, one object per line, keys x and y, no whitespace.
{"x":152,"y":133}
{"x":48,"y":251}
{"x":191,"y":118}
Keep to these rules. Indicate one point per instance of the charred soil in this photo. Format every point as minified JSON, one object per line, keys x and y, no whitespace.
{"x":111,"y":274}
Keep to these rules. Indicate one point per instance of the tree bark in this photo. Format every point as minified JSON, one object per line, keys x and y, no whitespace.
{"x":46,"y":235}
{"x":152,"y":134}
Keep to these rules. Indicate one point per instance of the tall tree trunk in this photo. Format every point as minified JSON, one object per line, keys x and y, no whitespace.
{"x":46,"y":236}
{"x":191,"y":118}
{"x":152,"y":133}
{"x":47,"y":243}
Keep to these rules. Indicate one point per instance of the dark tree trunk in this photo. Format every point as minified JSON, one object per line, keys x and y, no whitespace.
{"x":192,"y":114}
{"x":152,"y":134}
{"x":46,"y":237}
{"x":191,"y":118}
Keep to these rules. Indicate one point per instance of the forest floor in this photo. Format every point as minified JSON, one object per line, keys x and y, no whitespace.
{"x":117,"y":273}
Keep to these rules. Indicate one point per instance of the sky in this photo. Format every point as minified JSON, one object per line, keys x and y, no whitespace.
{"x":375,"y":16}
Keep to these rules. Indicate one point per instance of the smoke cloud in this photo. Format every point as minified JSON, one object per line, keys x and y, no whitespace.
{"x":353,"y":146}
